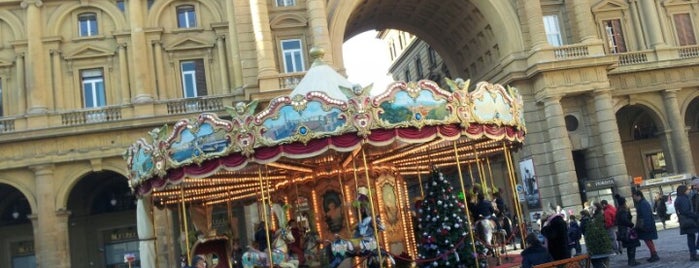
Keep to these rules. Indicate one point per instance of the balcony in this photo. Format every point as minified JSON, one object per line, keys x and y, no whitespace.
{"x":571,"y":52}
{"x":288,"y":81}
{"x":194,"y":105}
{"x":7,"y":125}
{"x":104,"y":114}
{"x":688,"y":52}
{"x":631,"y":58}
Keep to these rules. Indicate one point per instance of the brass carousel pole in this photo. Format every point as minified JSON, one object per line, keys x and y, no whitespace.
{"x":490,"y":172}
{"x":342,"y":190}
{"x":356,"y":186}
{"x":371,"y":204}
{"x":513,"y":184}
{"x":463,"y":190}
{"x":264,"y":216}
{"x":481,"y":175}
{"x":184,"y":221}
{"x":419,"y":179}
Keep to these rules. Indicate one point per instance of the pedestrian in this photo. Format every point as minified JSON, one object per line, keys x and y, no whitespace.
{"x":236,"y":254}
{"x":660,"y":208}
{"x":625,"y":225}
{"x":535,"y":253}
{"x":261,"y":236}
{"x":574,"y":236}
{"x":297,"y":246}
{"x":609,"y":213}
{"x":199,"y":262}
{"x":556,"y":232}
{"x":688,"y":220}
{"x":645,"y":224}
{"x":562,"y":212}
{"x":694,"y":198}
{"x":585,"y":218}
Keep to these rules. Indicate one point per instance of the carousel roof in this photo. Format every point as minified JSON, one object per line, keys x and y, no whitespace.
{"x":318,"y":132}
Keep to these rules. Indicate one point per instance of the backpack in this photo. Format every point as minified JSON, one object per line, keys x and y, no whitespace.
{"x":574,"y":232}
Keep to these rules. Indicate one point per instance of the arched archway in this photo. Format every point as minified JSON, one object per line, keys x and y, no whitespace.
{"x":462,"y":31}
{"x":16,"y":233}
{"x":103,"y":218}
{"x":691,"y":121}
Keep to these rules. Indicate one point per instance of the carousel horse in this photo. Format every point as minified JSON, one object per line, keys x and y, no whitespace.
{"x":509,"y":230}
{"x":487,"y":232}
{"x":312,"y":248}
{"x":363,"y":244}
{"x":280,"y":252}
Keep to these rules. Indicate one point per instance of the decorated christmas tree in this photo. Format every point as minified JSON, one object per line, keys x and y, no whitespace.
{"x":443,"y":229}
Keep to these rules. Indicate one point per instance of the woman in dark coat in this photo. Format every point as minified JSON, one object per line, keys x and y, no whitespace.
{"x":645,"y":224}
{"x":535,"y":253}
{"x":684,"y":210}
{"x":556,"y":232}
{"x":623,"y":221}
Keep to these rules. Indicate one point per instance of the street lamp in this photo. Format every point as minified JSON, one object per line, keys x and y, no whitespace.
{"x":113,"y":201}
{"x":15,"y":214}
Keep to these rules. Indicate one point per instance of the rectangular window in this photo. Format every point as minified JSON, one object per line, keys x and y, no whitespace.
{"x":186,"y":17}
{"x":553,"y":30}
{"x":615,"y":36}
{"x":93,"y":88}
{"x":286,"y":3}
{"x":114,"y":253}
{"x":120,"y":5}
{"x":418,"y":68}
{"x":193,"y":78}
{"x":685,"y":30}
{"x":87,"y":24}
{"x":432,"y":56}
{"x":293,"y":56}
{"x":407,"y":75}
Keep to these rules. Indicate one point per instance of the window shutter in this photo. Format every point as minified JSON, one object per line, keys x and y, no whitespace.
{"x":618,"y":36}
{"x":685,"y":30}
{"x":201,"y":77}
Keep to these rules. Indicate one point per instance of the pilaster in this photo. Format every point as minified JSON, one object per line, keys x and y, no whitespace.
{"x":36,"y":85}
{"x":652,"y":27}
{"x":236,"y":67}
{"x":125,"y":89}
{"x":62,"y":240}
{"x":535,"y":22}
{"x":221,"y":51}
{"x":584,"y":21}
{"x":46,"y":234}
{"x":266,"y":68}
{"x":141,"y":80}
{"x":318,"y":21}
{"x":680,"y":141}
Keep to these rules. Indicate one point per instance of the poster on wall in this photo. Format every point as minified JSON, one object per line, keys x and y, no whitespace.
{"x":531,"y":183}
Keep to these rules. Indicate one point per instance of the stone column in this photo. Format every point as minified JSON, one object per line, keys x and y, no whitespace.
{"x":535,"y":22}
{"x":583,"y":18}
{"x":58,"y":77}
{"x":637,"y":26}
{"x":125,"y":91}
{"x":609,"y":140}
{"x":318,"y":22}
{"x":264,"y":46}
{"x":62,"y":239}
{"x":221,"y":50}
{"x":21,"y":86}
{"x":146,"y":232}
{"x":47,"y":243}
{"x":563,"y":169}
{"x":37,"y":90}
{"x":680,"y":140}
{"x":236,"y":67}
{"x":141,"y":73}
{"x":652,"y":27}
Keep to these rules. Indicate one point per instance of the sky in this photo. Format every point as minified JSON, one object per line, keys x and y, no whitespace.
{"x":367,"y":61}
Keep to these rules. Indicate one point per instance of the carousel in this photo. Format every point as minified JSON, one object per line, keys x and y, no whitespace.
{"x":334,"y":159}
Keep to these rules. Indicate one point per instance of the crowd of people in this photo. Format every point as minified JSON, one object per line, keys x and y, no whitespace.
{"x":623,"y":231}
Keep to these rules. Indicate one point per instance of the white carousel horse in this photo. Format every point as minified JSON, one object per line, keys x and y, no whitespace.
{"x":312,"y":248}
{"x":280,"y":252}
{"x":486,"y":231}
{"x":363,"y":245}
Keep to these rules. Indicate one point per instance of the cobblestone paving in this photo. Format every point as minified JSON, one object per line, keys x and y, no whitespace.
{"x":671,"y":247}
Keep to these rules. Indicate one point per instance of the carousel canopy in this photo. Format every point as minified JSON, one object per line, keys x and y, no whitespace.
{"x":321,"y":130}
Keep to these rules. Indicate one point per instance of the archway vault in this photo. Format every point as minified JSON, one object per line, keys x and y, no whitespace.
{"x":472,"y":36}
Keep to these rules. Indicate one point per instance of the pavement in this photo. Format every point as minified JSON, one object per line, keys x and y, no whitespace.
{"x":671,"y":246}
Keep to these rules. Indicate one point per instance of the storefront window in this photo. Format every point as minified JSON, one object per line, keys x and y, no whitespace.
{"x":114,"y":254}
{"x":656,"y":165}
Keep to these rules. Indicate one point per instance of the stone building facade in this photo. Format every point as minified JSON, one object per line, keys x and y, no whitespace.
{"x":608,"y":85}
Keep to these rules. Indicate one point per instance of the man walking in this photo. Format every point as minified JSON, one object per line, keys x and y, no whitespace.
{"x":609,"y":212}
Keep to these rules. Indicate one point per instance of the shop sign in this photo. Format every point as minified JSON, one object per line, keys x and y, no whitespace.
{"x":123,"y":234}
{"x":600,"y":184}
